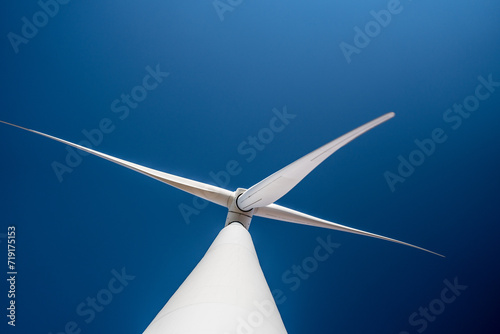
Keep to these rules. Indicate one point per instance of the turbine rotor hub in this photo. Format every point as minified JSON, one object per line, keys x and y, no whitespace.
{"x":235,"y":214}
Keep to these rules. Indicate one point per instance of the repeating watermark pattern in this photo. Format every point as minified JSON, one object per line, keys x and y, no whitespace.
{"x":121,"y":107}
{"x":30,"y":28}
{"x":224,"y":6}
{"x":373,"y":28}
{"x":88,"y":308}
{"x":454,"y":118}
{"x":255,"y":319}
{"x":420,"y":319}
{"x":296,"y":274}
{"x":249,"y":149}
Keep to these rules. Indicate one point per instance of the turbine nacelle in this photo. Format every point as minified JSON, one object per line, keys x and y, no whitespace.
{"x":235,"y":214}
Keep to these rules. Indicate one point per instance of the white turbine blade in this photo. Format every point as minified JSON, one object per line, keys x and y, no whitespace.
{"x":277,"y":212}
{"x":211,"y":193}
{"x":278,"y":184}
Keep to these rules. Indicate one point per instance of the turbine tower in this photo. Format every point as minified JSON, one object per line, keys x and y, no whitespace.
{"x":227,"y":292}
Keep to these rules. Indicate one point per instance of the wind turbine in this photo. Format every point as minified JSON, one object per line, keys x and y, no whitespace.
{"x":227,"y":292}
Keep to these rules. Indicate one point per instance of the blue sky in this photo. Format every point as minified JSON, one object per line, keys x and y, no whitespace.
{"x":225,"y":77}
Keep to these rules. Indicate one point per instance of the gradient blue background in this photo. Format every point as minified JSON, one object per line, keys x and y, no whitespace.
{"x":225,"y":79}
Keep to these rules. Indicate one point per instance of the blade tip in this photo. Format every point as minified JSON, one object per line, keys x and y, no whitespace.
{"x":440,"y":255}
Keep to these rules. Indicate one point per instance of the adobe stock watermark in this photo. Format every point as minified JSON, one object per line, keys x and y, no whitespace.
{"x":248,"y":149}
{"x":92,"y":305}
{"x":296,"y":274}
{"x":453,"y":117}
{"x":121,"y":107}
{"x":223,"y":6}
{"x":255,"y":319}
{"x":373,"y":28}
{"x":29,"y":28}
{"x":421,"y":319}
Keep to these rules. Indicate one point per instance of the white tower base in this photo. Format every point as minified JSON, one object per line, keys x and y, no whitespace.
{"x":226,"y":293}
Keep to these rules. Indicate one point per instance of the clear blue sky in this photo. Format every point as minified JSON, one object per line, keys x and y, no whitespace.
{"x":67,"y":76}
